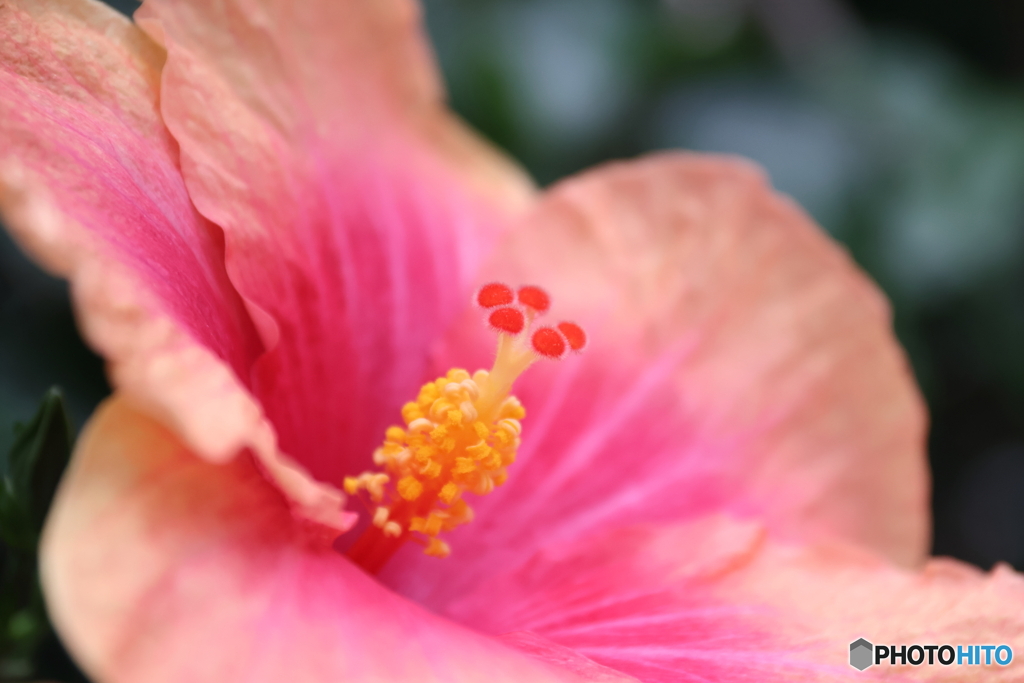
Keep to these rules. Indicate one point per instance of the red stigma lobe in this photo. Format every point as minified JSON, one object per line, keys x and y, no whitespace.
{"x":549,"y":342}
{"x":573,"y":334}
{"x":520,"y":341}
{"x":507,"y":319}
{"x":534,"y":297}
{"x":494,"y":294}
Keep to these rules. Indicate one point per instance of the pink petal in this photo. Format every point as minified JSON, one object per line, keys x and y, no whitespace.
{"x":160,"y":567}
{"x":738,"y":361}
{"x":715,"y":600}
{"x":355,"y":208}
{"x":563,"y":657}
{"x":89,"y":183}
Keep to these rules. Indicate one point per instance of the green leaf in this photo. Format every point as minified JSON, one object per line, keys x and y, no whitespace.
{"x":33,"y":469}
{"x":28,"y":481}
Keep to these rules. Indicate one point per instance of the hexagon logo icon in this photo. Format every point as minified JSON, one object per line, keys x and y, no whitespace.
{"x":861,"y":654}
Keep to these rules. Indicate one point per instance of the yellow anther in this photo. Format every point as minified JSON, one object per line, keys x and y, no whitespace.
{"x":471,"y":388}
{"x":454,"y":417}
{"x":409,"y":488}
{"x":438,"y":548}
{"x":391,"y":448}
{"x":434,"y":523}
{"x":351,"y":485}
{"x":448,"y":445}
{"x":424,"y":453}
{"x":460,"y":513}
{"x":464,"y":466}
{"x":449,"y":492}
{"x":512,"y":408}
{"x":395,"y":434}
{"x":481,"y":484}
{"x":478,"y":450}
{"x":390,"y":452}
{"x":431,"y":469}
{"x":500,"y":478}
{"x":420,"y":425}
{"x":469,"y":411}
{"x":481,"y":430}
{"x":513,"y":426}
{"x":458,"y":375}
{"x":428,"y":394}
{"x":439,"y":410}
{"x":392,"y":529}
{"x":374,"y":485}
{"x":492,"y":461}
{"x":438,"y":433}
{"x":411,"y":411}
{"x":508,"y":457}
{"x":503,"y":437}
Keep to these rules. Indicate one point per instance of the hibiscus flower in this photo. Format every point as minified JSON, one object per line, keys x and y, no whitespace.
{"x":273,"y":230}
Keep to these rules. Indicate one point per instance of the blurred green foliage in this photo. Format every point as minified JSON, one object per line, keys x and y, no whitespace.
{"x":29,"y":475}
{"x":39,"y":345}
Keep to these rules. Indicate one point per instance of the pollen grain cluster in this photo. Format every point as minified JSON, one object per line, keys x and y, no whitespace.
{"x":445,"y":448}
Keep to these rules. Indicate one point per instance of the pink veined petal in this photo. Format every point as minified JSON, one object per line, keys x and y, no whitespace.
{"x":564,"y":657}
{"x":355,"y":208}
{"x":160,"y":567}
{"x":90,"y":185}
{"x":714,"y":599}
{"x":738,"y":361}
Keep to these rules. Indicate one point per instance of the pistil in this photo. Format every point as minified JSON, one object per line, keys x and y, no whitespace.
{"x":460,"y":435}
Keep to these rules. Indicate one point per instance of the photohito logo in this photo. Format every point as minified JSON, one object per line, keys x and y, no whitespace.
{"x":863,"y":654}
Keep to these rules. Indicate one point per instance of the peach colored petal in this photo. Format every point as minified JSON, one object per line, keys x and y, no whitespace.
{"x":716,"y":599}
{"x":161,"y":567}
{"x":90,"y":185}
{"x":835,"y":590}
{"x":355,"y":208}
{"x":738,"y":361}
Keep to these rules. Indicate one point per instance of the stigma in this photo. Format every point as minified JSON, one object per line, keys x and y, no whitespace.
{"x":458,"y":436}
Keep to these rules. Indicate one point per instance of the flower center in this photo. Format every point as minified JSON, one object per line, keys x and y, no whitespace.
{"x":460,"y":434}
